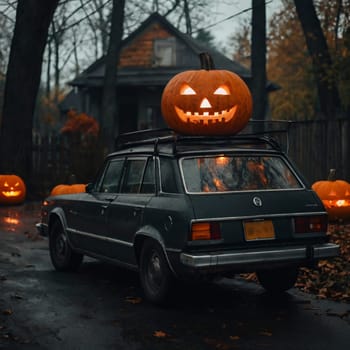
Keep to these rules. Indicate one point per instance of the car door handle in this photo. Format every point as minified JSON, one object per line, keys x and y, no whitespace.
{"x":136,"y":211}
{"x":103,"y":208}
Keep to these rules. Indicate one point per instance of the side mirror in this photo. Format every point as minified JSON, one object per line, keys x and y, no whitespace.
{"x":89,"y":187}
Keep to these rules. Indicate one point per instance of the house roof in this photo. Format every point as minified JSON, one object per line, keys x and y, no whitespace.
{"x":157,"y":75}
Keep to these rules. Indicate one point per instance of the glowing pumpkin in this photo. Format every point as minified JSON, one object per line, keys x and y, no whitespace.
{"x":67,"y":189}
{"x":12,"y":189}
{"x":335,"y":195}
{"x":206,"y":101}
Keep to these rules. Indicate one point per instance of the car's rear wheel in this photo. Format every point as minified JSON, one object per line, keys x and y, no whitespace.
{"x":156,"y":277}
{"x":278,"y":280}
{"x":62,"y":255}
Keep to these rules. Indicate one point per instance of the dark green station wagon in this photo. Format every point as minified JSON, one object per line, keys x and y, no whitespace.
{"x":179,"y":208}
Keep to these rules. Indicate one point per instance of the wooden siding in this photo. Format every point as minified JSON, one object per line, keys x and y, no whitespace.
{"x":139,"y":53}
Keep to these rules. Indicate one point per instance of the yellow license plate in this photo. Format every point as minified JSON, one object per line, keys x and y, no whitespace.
{"x":254,"y":230}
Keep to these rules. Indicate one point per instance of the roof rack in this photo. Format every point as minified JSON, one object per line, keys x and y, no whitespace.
{"x":144,"y":137}
{"x":157,"y":136}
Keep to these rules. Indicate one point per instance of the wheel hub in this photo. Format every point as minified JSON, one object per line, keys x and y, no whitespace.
{"x":154,"y":270}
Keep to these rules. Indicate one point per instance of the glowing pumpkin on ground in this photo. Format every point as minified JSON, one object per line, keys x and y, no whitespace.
{"x":335,"y":195}
{"x":12,"y":189}
{"x":67,"y":189}
{"x":206,"y":101}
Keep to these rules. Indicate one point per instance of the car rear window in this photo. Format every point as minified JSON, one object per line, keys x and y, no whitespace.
{"x":237,"y":173}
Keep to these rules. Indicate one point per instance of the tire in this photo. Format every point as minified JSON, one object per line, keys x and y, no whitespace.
{"x":278,"y":280}
{"x":156,"y":278}
{"x":62,"y":255}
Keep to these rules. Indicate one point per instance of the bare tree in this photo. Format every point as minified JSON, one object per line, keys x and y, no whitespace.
{"x":33,"y":18}
{"x":5,"y":42}
{"x":98,"y":14}
{"x":109,"y":129}
{"x":258,"y":59}
{"x":328,"y":94}
{"x":57,"y":34}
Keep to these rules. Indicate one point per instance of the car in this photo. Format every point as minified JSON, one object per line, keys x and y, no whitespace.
{"x":192,"y":208}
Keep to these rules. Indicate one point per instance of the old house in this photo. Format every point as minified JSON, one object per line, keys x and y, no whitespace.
{"x":149,"y":58}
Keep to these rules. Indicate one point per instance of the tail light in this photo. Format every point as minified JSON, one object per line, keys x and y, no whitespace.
{"x":205,"y":231}
{"x":307,"y":224}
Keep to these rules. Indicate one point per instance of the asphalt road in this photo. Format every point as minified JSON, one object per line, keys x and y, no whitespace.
{"x":101,"y":306}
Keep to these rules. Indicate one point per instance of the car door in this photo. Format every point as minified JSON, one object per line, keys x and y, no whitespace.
{"x":90,"y":214}
{"x":125,"y":212}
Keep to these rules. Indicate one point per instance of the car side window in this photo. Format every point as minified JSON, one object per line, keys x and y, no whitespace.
{"x":112,"y":175}
{"x":168,"y":183}
{"x":133,"y":175}
{"x":149,"y":183}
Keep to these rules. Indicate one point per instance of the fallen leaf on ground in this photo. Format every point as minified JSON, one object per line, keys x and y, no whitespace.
{"x":266,"y":333}
{"x":234,"y":337}
{"x":7,"y":312}
{"x":133,"y":300}
{"x":330,"y":279}
{"x":160,"y":334}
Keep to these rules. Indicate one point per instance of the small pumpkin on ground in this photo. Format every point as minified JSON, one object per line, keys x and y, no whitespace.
{"x":67,"y":189}
{"x":206,"y":101}
{"x":12,"y":189}
{"x":335,"y":195}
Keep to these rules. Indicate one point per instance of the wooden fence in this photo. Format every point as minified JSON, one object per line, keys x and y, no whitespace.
{"x":314,"y":146}
{"x":55,"y":158}
{"x":317,"y":146}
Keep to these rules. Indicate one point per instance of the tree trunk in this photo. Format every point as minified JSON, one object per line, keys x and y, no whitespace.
{"x":48,"y":70}
{"x":187,"y":18}
{"x":258,"y":54}
{"x":316,"y":43}
{"x":33,"y":18}
{"x":56,"y":61}
{"x":109,"y":119}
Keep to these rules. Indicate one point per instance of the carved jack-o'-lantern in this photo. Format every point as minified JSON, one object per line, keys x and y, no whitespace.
{"x":335,"y":195}
{"x":12,"y":189}
{"x":206,"y":101}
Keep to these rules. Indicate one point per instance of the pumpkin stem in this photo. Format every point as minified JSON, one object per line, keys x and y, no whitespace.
{"x":331,"y":176}
{"x":207,"y":62}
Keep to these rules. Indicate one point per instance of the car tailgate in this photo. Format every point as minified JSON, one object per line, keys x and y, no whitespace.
{"x":274,"y":210}
{"x":251,"y":204}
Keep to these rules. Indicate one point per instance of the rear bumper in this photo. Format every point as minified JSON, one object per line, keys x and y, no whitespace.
{"x":259,"y":257}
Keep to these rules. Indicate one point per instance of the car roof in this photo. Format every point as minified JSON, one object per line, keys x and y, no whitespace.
{"x":167,"y":142}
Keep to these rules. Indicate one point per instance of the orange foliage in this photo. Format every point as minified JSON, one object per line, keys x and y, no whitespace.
{"x":80,"y":123}
{"x":289,"y":63}
{"x":331,"y":278}
{"x":48,"y":110}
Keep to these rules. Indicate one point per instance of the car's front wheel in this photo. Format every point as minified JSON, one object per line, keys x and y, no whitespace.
{"x":278,"y":280}
{"x":62,"y":255}
{"x":156,"y":277}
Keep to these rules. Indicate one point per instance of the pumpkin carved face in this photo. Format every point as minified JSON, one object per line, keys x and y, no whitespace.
{"x":206,"y":102}
{"x":12,"y":189}
{"x":335,"y":195}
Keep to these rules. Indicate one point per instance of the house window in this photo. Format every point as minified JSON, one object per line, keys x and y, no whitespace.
{"x":164,"y":52}
{"x":151,"y":118}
